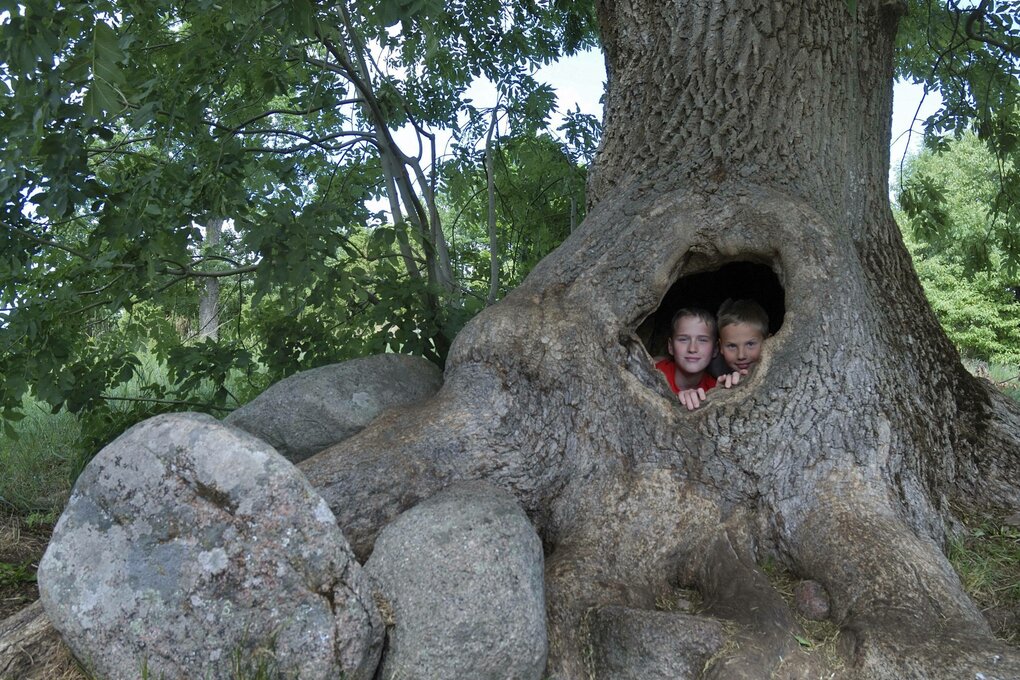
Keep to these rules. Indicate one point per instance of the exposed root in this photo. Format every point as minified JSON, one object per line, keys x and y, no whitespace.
{"x":903,"y":609}
{"x":766,"y":637}
{"x":31,"y":649}
{"x":989,"y":476}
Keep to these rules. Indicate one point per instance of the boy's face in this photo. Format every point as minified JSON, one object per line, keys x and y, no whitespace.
{"x":740,"y":344}
{"x":692,"y":345}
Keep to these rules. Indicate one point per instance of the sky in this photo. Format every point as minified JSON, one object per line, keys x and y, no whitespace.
{"x":579,"y":81}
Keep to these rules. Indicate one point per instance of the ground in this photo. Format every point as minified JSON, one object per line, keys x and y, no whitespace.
{"x":987,"y":556}
{"x":21,"y":546}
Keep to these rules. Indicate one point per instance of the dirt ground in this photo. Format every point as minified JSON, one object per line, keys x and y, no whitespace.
{"x":21,"y":547}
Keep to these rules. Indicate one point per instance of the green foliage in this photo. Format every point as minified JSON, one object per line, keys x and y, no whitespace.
{"x":970,"y":54}
{"x":961,"y":247}
{"x":980,"y":315}
{"x":539,"y":184}
{"x":950,"y":197}
{"x":128,"y":125}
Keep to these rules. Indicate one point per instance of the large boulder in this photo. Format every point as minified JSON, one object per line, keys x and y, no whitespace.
{"x":312,"y":410}
{"x":189,"y":545}
{"x":462,"y":575}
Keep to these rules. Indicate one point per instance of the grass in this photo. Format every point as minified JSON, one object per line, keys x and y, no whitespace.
{"x":987,"y":558}
{"x":40,"y":466}
{"x":13,"y":573}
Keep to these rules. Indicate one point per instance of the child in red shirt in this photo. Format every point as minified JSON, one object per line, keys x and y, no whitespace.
{"x":692,"y":346}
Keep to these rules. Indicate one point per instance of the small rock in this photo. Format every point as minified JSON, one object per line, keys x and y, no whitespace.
{"x":312,"y":410}
{"x":811,"y":600}
{"x":188,"y":543}
{"x":463,"y":575}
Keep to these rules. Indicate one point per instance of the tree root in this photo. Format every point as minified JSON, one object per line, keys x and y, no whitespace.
{"x":31,"y":648}
{"x":990,"y":476}
{"x":765,"y":641}
{"x":902,"y":607}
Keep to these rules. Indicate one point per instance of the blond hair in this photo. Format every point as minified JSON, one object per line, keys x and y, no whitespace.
{"x":696,"y":313}
{"x":743,"y":311}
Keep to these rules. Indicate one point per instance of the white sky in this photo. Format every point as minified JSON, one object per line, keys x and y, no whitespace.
{"x":579,"y":81}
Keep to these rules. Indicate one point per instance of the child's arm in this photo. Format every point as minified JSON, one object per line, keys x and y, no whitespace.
{"x":691,"y":398}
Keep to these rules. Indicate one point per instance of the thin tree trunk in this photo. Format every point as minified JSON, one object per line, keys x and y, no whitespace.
{"x":209,"y":304}
{"x":490,"y":190}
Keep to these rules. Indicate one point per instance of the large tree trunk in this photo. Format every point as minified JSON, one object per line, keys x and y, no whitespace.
{"x":750,"y":130}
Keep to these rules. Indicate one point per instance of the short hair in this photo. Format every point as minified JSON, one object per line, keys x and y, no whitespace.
{"x":743,"y":311}
{"x":695,"y":312}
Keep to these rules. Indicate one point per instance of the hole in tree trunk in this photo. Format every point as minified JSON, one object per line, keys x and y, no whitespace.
{"x":737,"y":280}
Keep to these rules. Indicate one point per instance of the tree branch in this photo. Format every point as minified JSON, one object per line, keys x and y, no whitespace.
{"x":320,"y":143}
{"x":59,"y":246}
{"x":974,"y":19}
{"x":186,"y":270}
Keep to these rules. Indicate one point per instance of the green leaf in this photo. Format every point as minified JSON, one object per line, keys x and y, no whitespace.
{"x":101,"y":99}
{"x":103,"y":96}
{"x":106,"y":55}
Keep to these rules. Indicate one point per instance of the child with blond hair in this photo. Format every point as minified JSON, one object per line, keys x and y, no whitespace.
{"x":743,"y":328}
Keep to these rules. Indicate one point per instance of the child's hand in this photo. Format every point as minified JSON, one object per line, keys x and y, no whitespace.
{"x":691,"y":398}
{"x":728,"y":380}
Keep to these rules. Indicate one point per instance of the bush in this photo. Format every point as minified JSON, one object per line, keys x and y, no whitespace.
{"x":980,"y":315}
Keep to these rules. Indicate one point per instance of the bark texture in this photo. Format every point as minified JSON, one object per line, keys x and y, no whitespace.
{"x":736,"y":130}
{"x":31,"y":648}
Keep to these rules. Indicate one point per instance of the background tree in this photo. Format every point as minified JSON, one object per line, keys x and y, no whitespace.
{"x":128,"y":124}
{"x":960,"y":242}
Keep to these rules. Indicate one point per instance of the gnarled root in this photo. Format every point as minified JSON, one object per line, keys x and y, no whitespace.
{"x":894,"y":593}
{"x":765,"y":641}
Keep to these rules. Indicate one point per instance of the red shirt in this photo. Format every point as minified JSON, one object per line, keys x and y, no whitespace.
{"x":668,"y":367}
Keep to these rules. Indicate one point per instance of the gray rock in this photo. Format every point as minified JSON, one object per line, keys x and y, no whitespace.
{"x":463,"y":575}
{"x":188,"y":544}
{"x":312,"y":410}
{"x":811,"y":601}
{"x":638,"y":644}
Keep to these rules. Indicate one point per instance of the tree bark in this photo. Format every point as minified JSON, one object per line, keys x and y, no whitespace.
{"x":736,"y":130}
{"x":31,"y":648}
{"x":209,"y":303}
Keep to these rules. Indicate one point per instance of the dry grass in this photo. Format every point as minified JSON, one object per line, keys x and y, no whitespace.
{"x":21,"y":547}
{"x":819,"y":637}
{"x":686,"y":600}
{"x":56,"y":663}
